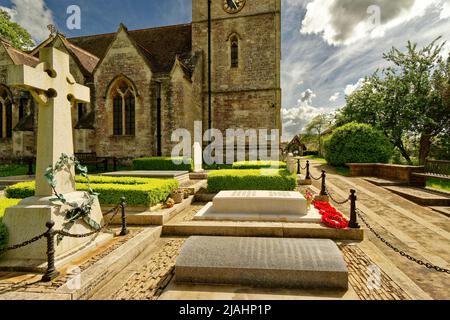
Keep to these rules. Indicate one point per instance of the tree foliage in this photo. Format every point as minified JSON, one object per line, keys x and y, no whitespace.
{"x":357,"y":143}
{"x":14,"y":33}
{"x":409,"y":99}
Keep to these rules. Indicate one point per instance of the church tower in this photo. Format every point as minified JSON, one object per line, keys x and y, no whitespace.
{"x":245,"y":62}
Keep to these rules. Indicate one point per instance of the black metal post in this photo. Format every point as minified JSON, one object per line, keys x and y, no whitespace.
{"x":323,"y":191}
{"x":51,"y":272}
{"x":353,"y":224}
{"x":158,"y":120}
{"x":308,"y":174}
{"x":123,"y":204}
{"x":114,"y":164}
{"x":299,"y":168}
{"x":30,"y":166}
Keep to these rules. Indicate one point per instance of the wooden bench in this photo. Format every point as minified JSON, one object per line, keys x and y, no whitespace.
{"x":92,"y":159}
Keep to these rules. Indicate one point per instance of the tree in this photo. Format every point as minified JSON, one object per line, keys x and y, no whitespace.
{"x":318,"y":125}
{"x":357,"y":143}
{"x":14,"y":33}
{"x":409,"y":98}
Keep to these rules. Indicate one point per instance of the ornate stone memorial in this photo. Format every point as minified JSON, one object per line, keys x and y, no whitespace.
{"x":55,"y":90}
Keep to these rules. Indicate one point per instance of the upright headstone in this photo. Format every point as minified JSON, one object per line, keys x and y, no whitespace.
{"x":55,"y":90}
{"x":290,"y":163}
{"x":197,"y":149}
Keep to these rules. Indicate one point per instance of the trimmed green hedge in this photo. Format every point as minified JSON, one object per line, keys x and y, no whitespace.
{"x":5,"y":203}
{"x":3,"y":237}
{"x":138,"y":191}
{"x":163,"y":164}
{"x":247,"y":165}
{"x":357,"y":143}
{"x":270,"y":179}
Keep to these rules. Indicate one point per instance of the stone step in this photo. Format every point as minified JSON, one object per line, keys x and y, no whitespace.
{"x":262,"y":262}
{"x":443,"y":210}
{"x":424,"y":197}
{"x":385,"y":182}
{"x":260,"y":229}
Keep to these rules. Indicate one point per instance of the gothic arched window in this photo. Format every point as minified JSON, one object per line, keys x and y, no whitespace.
{"x":5,"y":113}
{"x":124,"y":110}
{"x":234,"y":52}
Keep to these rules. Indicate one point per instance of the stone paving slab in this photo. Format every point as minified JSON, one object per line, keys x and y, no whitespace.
{"x":262,"y":262}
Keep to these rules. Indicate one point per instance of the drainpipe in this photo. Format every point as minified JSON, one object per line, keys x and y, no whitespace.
{"x":158,"y":119}
{"x":209,"y":68}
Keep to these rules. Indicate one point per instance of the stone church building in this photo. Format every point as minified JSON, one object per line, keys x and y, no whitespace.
{"x":147,"y":83}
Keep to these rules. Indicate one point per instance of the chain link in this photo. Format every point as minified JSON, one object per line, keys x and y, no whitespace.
{"x":317,"y":179}
{"x":85,"y":235}
{"x":330,"y":195}
{"x":64,"y":233}
{"x":400,"y":252}
{"x":25,"y":243}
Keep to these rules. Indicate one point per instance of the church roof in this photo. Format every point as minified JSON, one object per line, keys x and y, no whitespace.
{"x":159,"y":46}
{"x":19,"y":57}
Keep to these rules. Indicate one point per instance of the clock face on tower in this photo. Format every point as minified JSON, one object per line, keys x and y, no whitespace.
{"x":233,"y":6}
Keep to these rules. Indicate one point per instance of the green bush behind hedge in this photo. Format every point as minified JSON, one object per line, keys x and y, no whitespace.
{"x":357,"y":143}
{"x":5,"y":203}
{"x":246,"y":165}
{"x":138,"y":191}
{"x":163,"y":164}
{"x":270,"y":179}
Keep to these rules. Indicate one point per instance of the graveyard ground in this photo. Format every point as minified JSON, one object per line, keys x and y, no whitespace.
{"x":419,"y":231}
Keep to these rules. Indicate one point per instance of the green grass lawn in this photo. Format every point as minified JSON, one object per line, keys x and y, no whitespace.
{"x":315,"y":158}
{"x":438,"y":184}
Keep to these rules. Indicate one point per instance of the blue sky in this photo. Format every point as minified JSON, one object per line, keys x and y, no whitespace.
{"x":328,"y":46}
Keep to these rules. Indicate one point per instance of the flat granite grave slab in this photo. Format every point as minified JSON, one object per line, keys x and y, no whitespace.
{"x":262,"y":262}
{"x":260,"y":202}
{"x":178,"y":175}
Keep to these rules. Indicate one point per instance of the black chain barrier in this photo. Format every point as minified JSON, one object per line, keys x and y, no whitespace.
{"x":402,"y":253}
{"x":51,"y":272}
{"x":330,"y":195}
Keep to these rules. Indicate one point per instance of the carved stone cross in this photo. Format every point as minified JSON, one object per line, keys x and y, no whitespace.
{"x":55,"y":90}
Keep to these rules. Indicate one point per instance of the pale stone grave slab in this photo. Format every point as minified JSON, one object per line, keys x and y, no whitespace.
{"x":55,"y":89}
{"x":273,"y":206}
{"x":262,"y":262}
{"x":181,"y":176}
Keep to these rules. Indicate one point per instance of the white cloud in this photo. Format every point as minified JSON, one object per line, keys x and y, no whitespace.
{"x":343,"y":22}
{"x":335,"y":97}
{"x":296,"y":119}
{"x":445,"y":13}
{"x":349,"y":89}
{"x":307,"y":96}
{"x":33,"y":15}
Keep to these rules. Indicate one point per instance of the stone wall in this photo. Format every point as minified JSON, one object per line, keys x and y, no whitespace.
{"x":123,"y":59}
{"x":248,"y":96}
{"x":389,"y":171}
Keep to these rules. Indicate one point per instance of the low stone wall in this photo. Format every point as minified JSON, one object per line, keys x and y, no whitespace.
{"x":389,"y":171}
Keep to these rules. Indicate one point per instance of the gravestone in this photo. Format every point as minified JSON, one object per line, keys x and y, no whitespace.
{"x":198,"y":157}
{"x":262,"y":202}
{"x":269,"y":206}
{"x":55,"y":90}
{"x":264,"y":262}
{"x":290,"y":163}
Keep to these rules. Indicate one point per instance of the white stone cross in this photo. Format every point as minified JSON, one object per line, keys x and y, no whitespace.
{"x":54,"y":88}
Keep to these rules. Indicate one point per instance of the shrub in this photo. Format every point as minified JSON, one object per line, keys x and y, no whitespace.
{"x":5,"y":203}
{"x":357,"y":143}
{"x":270,"y":179}
{"x":138,"y":191}
{"x":163,"y":164}
{"x":3,"y":237}
{"x":246,"y":165}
